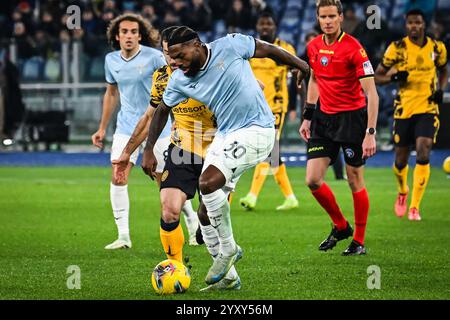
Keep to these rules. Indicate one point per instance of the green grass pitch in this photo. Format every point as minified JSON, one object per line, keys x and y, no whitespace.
{"x":52,"y":218}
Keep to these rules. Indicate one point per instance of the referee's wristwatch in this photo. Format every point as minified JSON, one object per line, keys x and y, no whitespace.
{"x":371,"y":131}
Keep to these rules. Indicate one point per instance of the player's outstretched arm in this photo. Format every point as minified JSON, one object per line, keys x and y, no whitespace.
{"x":282,"y":56}
{"x":369,"y":143}
{"x":384,"y":76}
{"x":381,"y":76}
{"x":139,"y":134}
{"x":110,"y":100}
{"x":157,"y":124}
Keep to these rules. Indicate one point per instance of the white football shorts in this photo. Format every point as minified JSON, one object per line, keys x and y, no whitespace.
{"x":239,"y":151}
{"x":121,"y":140}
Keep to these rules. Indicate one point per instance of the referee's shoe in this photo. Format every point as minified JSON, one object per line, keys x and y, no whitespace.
{"x":354,"y":249}
{"x":335,"y":236}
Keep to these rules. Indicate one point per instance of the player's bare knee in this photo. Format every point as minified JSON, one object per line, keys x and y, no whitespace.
{"x":203,"y":185}
{"x":355,"y":179}
{"x":354,"y":184}
{"x":212,"y":179}
{"x":424,"y":159}
{"x":423,"y":154}
{"x":313,"y":183}
{"x":401,"y":164}
{"x":401,"y":157}
{"x":169,"y":213}
{"x":206,"y":185}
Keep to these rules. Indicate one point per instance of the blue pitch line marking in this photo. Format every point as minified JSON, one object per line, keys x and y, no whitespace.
{"x":29,"y":159}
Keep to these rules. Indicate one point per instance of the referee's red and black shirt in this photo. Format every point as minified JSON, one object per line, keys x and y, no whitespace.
{"x":338,"y":68}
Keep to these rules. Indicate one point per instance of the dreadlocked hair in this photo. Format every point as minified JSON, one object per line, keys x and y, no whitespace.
{"x":166,"y":33}
{"x":180,"y":35}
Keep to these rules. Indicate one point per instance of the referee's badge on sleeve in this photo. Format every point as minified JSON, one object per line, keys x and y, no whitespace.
{"x":368,"y":69}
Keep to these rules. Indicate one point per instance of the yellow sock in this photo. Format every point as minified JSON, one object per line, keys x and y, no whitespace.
{"x":281,"y":177}
{"x":172,"y":242}
{"x":421,"y":177}
{"x":402,"y":179}
{"x":259,"y":177}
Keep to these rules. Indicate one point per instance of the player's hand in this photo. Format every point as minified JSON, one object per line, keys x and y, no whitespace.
{"x":437,"y":97}
{"x":400,"y":76}
{"x":149,"y":163}
{"x":369,"y":146}
{"x":305,"y":131}
{"x":97,"y":138}
{"x":120,"y":166}
{"x":300,"y":78}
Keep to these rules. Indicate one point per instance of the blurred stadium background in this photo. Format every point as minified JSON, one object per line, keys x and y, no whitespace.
{"x":61,"y":72}
{"x":51,"y":90}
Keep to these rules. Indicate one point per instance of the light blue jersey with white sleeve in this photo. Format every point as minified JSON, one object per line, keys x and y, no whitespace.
{"x":226,"y":84}
{"x":133,"y":78}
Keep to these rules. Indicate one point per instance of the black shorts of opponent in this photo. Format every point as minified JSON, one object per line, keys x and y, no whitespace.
{"x":406,"y":131}
{"x":182,"y":171}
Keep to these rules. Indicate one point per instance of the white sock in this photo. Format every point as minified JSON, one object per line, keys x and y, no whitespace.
{"x":121,"y":207}
{"x":218,"y":208}
{"x":211,"y":239}
{"x":190,"y":217}
{"x":291,"y":196}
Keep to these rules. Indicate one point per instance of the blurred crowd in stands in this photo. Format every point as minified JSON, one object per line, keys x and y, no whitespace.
{"x":38,"y":27}
{"x":37,"y":31}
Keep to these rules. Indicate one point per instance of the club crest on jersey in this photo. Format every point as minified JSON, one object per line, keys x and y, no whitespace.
{"x":164,"y":175}
{"x":140,"y":68}
{"x":324,"y":61}
{"x":220,"y":65}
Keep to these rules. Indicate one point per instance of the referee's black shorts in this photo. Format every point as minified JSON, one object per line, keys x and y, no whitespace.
{"x":182,"y":171}
{"x":330,"y":132}
{"x":406,"y":131}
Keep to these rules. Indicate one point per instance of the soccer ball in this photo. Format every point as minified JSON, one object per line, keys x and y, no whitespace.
{"x":446,"y":165}
{"x":170,"y":276}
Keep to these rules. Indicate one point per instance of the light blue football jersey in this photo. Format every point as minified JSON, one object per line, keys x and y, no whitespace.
{"x":133,"y":78}
{"x":226,"y":84}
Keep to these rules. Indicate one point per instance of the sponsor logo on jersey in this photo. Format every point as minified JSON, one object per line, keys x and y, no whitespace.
{"x":182,"y":109}
{"x":326,"y":51}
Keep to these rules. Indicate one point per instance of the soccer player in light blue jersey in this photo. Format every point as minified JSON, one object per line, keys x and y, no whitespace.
{"x":128,"y":72}
{"x":219,"y":75}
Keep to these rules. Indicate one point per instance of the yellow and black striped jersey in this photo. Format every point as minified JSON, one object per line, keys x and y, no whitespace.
{"x":194,"y":126}
{"x":422,"y":64}
{"x":274,"y":78}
